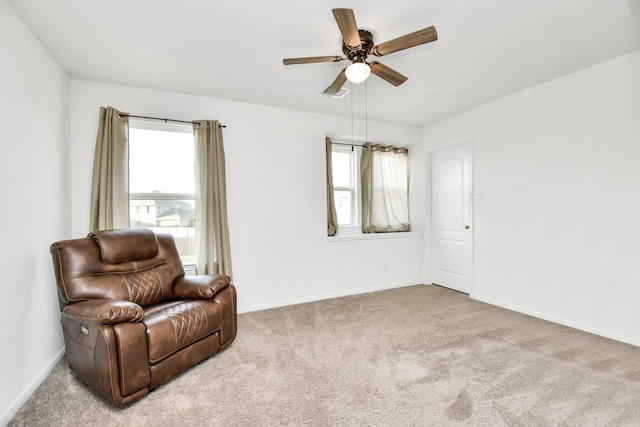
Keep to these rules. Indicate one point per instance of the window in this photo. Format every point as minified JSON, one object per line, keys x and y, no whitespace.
{"x":345,"y":186}
{"x":370,"y":188}
{"x":162,"y":181}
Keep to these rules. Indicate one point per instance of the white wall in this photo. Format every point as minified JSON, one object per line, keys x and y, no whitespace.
{"x":276,"y":194}
{"x":557,"y":233}
{"x":34,"y":119}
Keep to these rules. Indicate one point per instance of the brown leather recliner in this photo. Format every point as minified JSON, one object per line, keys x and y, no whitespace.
{"x":131,"y":319}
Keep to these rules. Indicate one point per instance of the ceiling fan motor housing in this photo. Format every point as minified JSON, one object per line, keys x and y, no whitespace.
{"x":362,"y":51}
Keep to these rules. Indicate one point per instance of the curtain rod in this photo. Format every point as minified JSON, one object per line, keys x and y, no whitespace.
{"x":161,"y":118}
{"x":354,"y":145}
{"x":348,"y":145}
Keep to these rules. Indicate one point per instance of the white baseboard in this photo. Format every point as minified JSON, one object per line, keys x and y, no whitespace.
{"x":295,"y":301}
{"x":555,"y":319}
{"x":13,"y":409}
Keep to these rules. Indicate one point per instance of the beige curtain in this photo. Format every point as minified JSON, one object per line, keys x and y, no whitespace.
{"x":110,"y":185}
{"x":212,"y":230}
{"x":385,"y":189}
{"x":332,"y":216}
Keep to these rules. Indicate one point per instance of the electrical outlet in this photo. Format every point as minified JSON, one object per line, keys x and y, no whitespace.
{"x":385,"y":266}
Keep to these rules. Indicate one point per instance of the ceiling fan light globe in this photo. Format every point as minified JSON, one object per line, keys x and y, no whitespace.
{"x":358,"y":72}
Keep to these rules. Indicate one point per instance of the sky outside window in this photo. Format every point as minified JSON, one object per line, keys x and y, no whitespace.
{"x":152,"y":154}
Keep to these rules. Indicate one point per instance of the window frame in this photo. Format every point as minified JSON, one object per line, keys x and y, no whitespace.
{"x":353,"y":188}
{"x":355,"y":151}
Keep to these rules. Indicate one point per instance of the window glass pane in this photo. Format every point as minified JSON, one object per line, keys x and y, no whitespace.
{"x":345,"y":184}
{"x":343,"y":206}
{"x":161,"y":161}
{"x":341,"y":163}
{"x":176,"y":217}
{"x":162,"y":185}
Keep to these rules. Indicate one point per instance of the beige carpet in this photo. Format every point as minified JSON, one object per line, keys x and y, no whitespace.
{"x":415,"y":356}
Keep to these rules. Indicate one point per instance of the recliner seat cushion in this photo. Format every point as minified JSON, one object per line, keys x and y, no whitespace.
{"x":172,"y":326}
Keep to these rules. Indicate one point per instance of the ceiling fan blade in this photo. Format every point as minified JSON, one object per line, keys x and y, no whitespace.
{"x":416,"y":38}
{"x":312,"y":59}
{"x":347,"y":24}
{"x":386,"y":73}
{"x":337,"y":83}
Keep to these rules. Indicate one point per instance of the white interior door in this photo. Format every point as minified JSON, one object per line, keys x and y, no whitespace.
{"x":451,"y":251}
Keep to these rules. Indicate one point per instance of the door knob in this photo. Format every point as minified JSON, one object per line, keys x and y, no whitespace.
{"x":466,"y":227}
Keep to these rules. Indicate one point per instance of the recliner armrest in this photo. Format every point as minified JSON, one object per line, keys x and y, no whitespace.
{"x":104,"y":311}
{"x":204,"y":286}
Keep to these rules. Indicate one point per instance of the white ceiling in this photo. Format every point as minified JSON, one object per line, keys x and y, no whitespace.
{"x":234,"y":49}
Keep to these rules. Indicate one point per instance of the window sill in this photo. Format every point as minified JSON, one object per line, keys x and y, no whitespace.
{"x":189,"y":268}
{"x":370,"y":236}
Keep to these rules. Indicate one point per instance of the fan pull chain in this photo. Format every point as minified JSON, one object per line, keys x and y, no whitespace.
{"x":366,"y":114}
{"x":351,"y":97}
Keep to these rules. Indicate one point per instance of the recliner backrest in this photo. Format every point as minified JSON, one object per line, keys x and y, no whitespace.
{"x":134,"y":264}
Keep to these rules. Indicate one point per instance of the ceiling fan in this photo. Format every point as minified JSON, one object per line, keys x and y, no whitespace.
{"x":358,"y":44}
